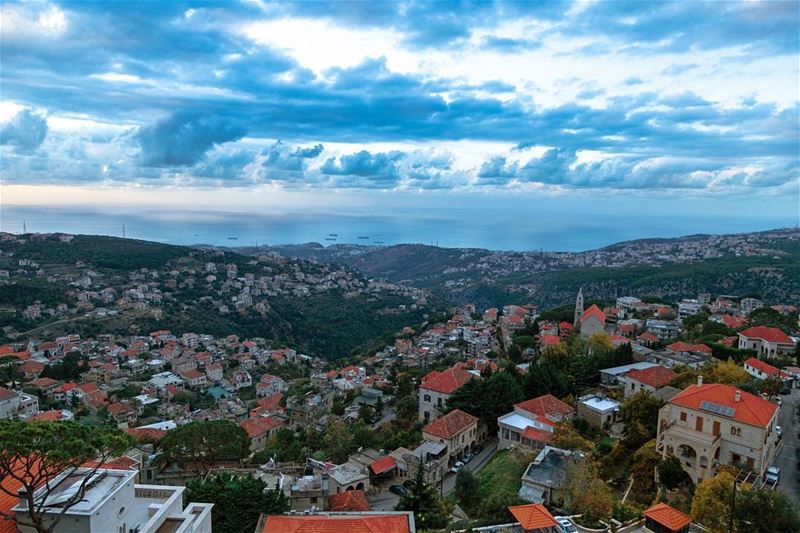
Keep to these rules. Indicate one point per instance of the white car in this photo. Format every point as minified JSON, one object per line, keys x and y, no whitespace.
{"x":779,"y":431}
{"x":456,"y":467}
{"x":566,"y":525}
{"x":773,"y":474}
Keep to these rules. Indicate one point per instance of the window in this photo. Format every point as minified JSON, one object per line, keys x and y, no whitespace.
{"x":427,"y":398}
{"x":683,"y":416}
{"x":716,"y":428}
{"x":698,"y":423}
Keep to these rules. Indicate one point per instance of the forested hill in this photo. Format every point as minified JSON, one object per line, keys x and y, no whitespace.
{"x":86,"y":284}
{"x":764,"y":263}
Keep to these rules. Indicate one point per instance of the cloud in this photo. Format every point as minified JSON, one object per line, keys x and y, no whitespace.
{"x":365,"y":169}
{"x":183,"y":138}
{"x":25,"y":131}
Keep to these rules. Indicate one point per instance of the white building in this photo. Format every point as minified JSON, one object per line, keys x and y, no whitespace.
{"x":15,"y":404}
{"x":113,"y":503}
{"x":688,"y":308}
{"x":767,"y":342}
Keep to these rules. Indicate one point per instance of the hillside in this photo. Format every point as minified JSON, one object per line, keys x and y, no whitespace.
{"x":764,"y":263}
{"x":58,"y":284}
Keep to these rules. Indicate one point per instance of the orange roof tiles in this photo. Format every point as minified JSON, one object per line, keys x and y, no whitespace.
{"x":668,"y":517}
{"x":750,"y":409}
{"x":384,"y":464}
{"x":446,"y":382}
{"x":538,"y":435}
{"x":647,"y":337}
{"x":255,"y":427}
{"x":545,"y":405}
{"x":768,"y":334}
{"x":686,"y":347}
{"x":337,"y":524}
{"x":533,"y":516}
{"x":655,"y":376}
{"x":348,"y":501}
{"x":450,"y":424}
{"x":594,"y":311}
{"x":147,"y":434}
{"x":10,"y":484}
{"x":766,"y":368}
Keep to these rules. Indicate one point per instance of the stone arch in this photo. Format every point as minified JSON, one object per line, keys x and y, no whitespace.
{"x":360,"y":485}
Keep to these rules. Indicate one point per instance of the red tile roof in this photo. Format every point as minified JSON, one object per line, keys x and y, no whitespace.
{"x":686,"y":347}
{"x":733,"y":322}
{"x":549,"y":340}
{"x":53,"y":415}
{"x":668,"y":517}
{"x":766,"y":368}
{"x":255,"y":427}
{"x":595,"y":312}
{"x":750,"y":409}
{"x":384,"y":464}
{"x":446,"y":382}
{"x":768,"y":334}
{"x":647,"y":337}
{"x":533,"y":516}
{"x":545,"y":405}
{"x":348,"y":501}
{"x":337,"y":524}
{"x":538,"y":435}
{"x":655,"y":376}
{"x":10,"y":484}
{"x":450,"y":424}
{"x":147,"y":434}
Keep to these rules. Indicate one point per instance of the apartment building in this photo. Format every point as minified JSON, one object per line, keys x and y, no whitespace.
{"x":715,"y":424}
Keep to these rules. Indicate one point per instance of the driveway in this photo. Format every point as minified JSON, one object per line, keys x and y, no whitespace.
{"x":475,"y":465}
{"x":785,"y":458}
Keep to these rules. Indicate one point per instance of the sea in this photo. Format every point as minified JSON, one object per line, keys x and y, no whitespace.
{"x":452,"y":227}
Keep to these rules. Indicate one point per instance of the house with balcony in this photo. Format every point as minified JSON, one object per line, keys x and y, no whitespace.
{"x":531,"y":424}
{"x":437,"y":387}
{"x":707,"y":425}
{"x":457,"y":430}
{"x":15,"y":404}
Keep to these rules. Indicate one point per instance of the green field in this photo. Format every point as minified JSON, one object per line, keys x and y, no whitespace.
{"x":503,"y":473}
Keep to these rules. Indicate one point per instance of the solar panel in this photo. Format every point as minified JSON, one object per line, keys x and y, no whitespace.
{"x":717,"y":409}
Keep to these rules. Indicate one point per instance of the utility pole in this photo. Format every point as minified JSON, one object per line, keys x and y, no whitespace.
{"x":733,"y":508}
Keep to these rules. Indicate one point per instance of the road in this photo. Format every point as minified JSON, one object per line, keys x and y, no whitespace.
{"x":475,"y":465}
{"x":786,"y":459}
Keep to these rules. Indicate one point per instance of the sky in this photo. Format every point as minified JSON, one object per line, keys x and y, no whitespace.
{"x":373,"y":107}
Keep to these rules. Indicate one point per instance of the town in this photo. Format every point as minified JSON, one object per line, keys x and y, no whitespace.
{"x":632,"y":415}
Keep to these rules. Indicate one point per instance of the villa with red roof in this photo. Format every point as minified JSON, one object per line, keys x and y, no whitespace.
{"x":683,"y":347}
{"x":436,"y":388}
{"x":593,"y":321}
{"x":767,"y":342}
{"x":717,"y":424}
{"x":647,"y":379}
{"x":457,"y":429}
{"x":531,"y":424}
{"x":762,"y":370}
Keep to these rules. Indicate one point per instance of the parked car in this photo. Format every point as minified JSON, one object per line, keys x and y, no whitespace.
{"x":408,"y":483}
{"x":773,"y":474}
{"x":398,"y":489}
{"x":456,"y":467}
{"x":565,"y":525}
{"x":779,"y":431}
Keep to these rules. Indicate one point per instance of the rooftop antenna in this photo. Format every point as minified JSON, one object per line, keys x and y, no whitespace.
{"x":24,"y":228}
{"x":123,"y":231}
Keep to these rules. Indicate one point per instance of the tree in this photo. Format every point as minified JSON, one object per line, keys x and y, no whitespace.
{"x":430,"y":510}
{"x":729,"y":372}
{"x":467,"y":489}
{"x":204,"y":442}
{"x":338,"y":441}
{"x":238,"y":501}
{"x":764,"y":511}
{"x":566,"y":436}
{"x":34,"y":453}
{"x":640,"y":414}
{"x":600,"y":343}
{"x":586,"y":493}
{"x":487,"y":398}
{"x":644,"y":464}
{"x":711,"y":504}
{"x":671,"y":474}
